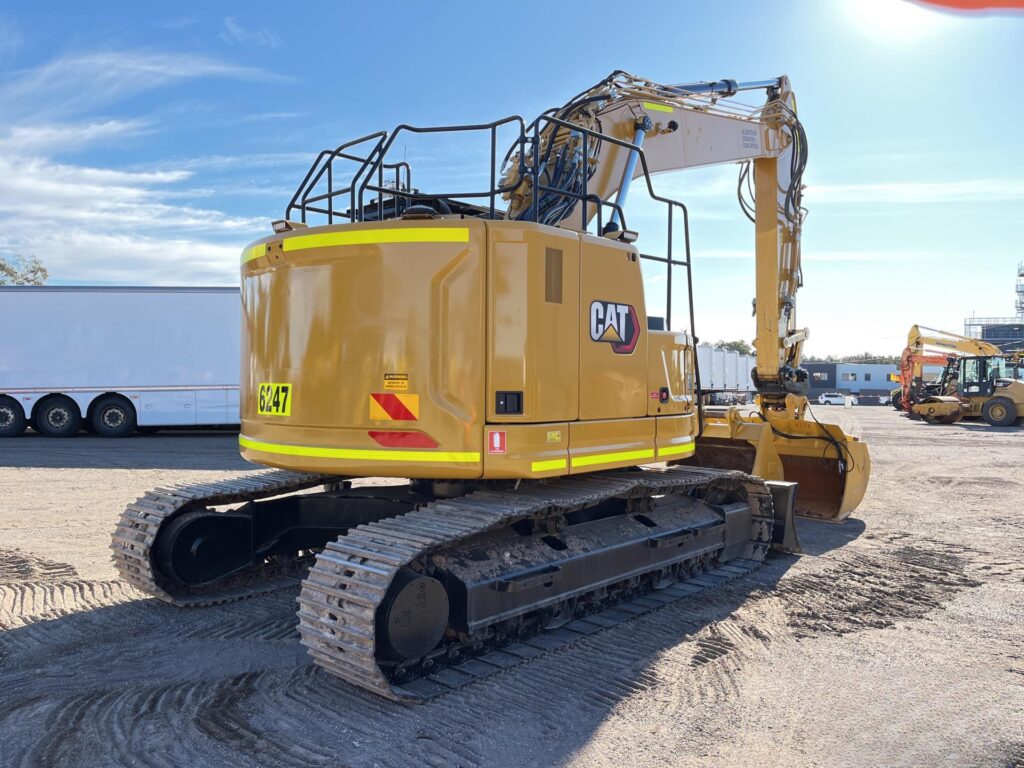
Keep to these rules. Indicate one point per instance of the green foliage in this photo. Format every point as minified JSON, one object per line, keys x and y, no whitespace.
{"x":17,"y":270}
{"x":735,"y":346}
{"x":863,"y":357}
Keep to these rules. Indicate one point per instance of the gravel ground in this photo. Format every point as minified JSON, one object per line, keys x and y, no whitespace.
{"x":896,"y":639}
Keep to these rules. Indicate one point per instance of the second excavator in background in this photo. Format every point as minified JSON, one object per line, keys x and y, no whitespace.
{"x":978,"y":380}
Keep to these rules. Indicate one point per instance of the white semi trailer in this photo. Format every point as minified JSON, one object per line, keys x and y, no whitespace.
{"x":724,"y":371}
{"x":113,"y":359}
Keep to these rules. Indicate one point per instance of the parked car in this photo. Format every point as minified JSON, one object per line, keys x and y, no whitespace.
{"x":835,"y":398}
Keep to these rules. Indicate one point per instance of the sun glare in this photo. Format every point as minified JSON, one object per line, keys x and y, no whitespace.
{"x":895,"y":19}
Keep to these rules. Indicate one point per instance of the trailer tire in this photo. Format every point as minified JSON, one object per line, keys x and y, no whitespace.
{"x":58,"y":416}
{"x":12,"y":417}
{"x":999,"y":412}
{"x":113,"y":416}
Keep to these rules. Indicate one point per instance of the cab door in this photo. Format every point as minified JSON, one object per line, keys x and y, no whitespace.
{"x":974,"y":381}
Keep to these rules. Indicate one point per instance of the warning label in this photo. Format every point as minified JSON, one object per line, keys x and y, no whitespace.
{"x":396,"y":381}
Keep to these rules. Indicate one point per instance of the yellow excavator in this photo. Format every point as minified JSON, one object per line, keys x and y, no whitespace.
{"x":978,"y":380}
{"x":553,"y":469}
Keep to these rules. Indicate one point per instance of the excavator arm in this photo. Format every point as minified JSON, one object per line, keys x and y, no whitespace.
{"x":658,"y":128}
{"x":923,"y":340}
{"x":675,"y":127}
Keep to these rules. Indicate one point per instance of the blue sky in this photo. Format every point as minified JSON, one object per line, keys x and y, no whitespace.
{"x":146,"y":143}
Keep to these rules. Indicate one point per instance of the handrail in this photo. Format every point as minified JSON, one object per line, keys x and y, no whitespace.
{"x":307,"y":186}
{"x":373,"y":166}
{"x":492,"y":127}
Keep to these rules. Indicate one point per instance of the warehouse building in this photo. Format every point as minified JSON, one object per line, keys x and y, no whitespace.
{"x":852,"y":378}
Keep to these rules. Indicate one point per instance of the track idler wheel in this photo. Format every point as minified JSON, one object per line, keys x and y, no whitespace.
{"x":412,"y":619}
{"x":201,"y":547}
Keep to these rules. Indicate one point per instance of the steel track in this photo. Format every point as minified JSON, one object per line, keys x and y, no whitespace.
{"x":351,"y":576}
{"x":139,"y":524}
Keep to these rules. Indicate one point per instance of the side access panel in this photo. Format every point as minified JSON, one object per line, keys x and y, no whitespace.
{"x":613,"y":331}
{"x":533,"y":297}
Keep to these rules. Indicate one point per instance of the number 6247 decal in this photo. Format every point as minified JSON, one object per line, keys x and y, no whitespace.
{"x":275,"y":399}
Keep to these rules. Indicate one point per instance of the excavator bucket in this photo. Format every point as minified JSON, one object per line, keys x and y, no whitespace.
{"x":830,"y":467}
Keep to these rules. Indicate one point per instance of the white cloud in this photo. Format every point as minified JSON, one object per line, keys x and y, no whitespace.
{"x":58,"y":137}
{"x":96,"y":224}
{"x":243,"y":161}
{"x":86,"y":255}
{"x":917,"y":192}
{"x":88,"y":80}
{"x":91,"y":223}
{"x":234,"y":32}
{"x":37,"y":190}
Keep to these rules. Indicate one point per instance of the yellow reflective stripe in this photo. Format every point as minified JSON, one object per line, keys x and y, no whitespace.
{"x":657,"y":107}
{"x":378,"y":236}
{"x":254,"y":252}
{"x":611,"y":458}
{"x":360,"y":454}
{"x":676,"y":450}
{"x":547,"y":465}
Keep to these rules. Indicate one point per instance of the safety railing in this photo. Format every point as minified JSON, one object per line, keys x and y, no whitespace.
{"x":398,"y":195}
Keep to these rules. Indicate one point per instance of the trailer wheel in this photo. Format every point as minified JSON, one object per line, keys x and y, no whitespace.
{"x":58,"y":416}
{"x":12,"y":417}
{"x":113,"y":416}
{"x":999,"y":412}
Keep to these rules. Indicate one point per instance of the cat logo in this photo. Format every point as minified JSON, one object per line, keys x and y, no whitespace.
{"x":614,"y":324}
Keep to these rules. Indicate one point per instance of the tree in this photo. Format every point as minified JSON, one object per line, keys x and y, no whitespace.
{"x":863,"y":357}
{"x":17,"y":270}
{"x":735,"y":346}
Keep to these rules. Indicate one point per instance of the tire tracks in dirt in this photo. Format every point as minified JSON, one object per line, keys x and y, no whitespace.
{"x":18,"y":567}
{"x":876,"y":588}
